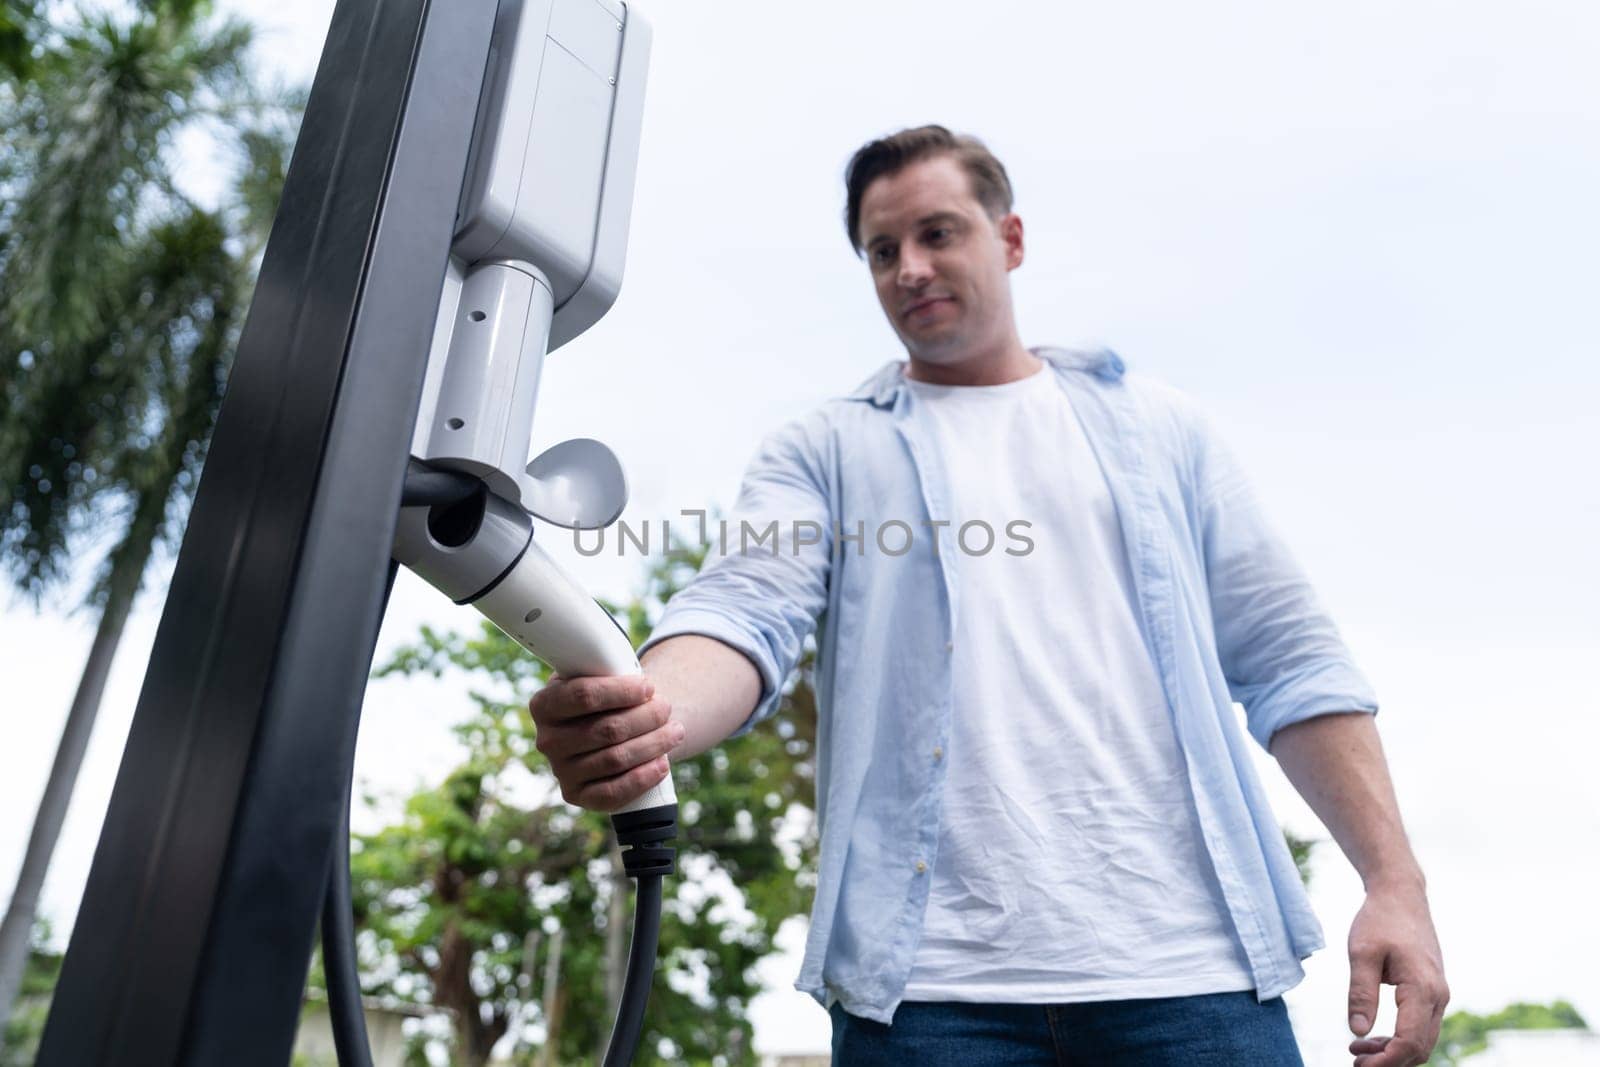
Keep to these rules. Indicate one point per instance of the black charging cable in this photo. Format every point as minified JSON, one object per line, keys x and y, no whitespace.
{"x":647,"y":858}
{"x":339,"y":965}
{"x":340,"y":968}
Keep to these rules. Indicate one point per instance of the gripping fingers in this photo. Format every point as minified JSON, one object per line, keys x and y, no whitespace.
{"x":612,"y":761}
{"x":564,"y":742}
{"x":609,"y":794}
{"x":572,"y":698}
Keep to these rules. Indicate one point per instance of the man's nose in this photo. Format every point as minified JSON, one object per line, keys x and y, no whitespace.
{"x":916,"y":268}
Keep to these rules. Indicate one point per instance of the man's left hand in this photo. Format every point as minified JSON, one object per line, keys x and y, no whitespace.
{"x":1392,"y":941}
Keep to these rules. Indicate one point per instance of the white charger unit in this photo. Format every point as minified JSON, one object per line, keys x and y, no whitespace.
{"x":540,"y":239}
{"x":541,"y":230}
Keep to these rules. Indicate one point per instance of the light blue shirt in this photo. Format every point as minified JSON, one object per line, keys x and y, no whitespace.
{"x":1225,"y":614}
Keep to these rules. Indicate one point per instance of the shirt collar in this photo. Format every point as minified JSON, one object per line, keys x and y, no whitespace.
{"x":883,"y":387}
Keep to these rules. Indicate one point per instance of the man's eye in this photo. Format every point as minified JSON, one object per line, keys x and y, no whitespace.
{"x":882,"y":254}
{"x":938,"y":233}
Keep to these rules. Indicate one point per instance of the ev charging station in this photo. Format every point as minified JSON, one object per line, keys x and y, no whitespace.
{"x":456,"y":208}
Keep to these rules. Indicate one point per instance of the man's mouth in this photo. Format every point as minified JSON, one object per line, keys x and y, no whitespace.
{"x":923,"y":304}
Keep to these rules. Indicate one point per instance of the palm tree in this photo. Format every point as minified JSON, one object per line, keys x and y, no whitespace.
{"x":18,"y":19}
{"x":120,"y":302}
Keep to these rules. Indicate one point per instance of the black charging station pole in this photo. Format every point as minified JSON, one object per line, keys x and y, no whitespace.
{"x":195,"y":933}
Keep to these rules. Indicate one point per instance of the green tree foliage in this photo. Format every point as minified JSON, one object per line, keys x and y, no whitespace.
{"x":1300,"y":848}
{"x":23,"y":1030}
{"x":102,"y":341}
{"x":459,"y":901}
{"x":19,"y":21}
{"x":1464,"y":1034}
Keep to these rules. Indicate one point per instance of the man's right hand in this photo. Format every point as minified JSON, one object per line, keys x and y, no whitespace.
{"x":606,"y":738}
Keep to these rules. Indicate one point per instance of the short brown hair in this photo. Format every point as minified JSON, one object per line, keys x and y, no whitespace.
{"x":889,"y":155}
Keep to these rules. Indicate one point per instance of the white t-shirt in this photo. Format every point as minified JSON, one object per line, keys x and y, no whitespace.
{"x":1070,"y":863}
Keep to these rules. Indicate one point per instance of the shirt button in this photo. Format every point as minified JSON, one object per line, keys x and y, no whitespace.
{"x":949,"y":646}
{"x":938,"y":753}
{"x":922,"y":868}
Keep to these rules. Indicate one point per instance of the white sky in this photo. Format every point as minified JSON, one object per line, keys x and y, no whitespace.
{"x":1364,"y":236}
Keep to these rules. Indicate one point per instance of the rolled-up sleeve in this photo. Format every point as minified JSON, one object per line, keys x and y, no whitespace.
{"x":764,"y":594}
{"x":1281,"y":653}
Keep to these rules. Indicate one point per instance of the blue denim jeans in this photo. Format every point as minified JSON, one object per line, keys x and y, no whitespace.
{"x":1213,"y":1030}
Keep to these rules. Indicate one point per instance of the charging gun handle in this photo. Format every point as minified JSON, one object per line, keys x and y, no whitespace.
{"x":550,"y":615}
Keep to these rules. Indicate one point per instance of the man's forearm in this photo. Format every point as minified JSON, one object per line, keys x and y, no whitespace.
{"x":711,"y":686}
{"x":1336,"y":763}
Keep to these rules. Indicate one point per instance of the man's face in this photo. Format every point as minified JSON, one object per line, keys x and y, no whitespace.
{"x":939,"y":261}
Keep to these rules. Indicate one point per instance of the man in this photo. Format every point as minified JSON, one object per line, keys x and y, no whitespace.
{"x":1042,"y":838}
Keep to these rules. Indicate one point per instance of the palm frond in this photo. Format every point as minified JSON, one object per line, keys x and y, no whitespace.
{"x":106,"y":293}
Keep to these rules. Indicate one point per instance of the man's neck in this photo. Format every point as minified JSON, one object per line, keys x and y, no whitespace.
{"x":1008,"y":364}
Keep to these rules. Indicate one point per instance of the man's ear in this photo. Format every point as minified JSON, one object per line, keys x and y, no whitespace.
{"x":1010,"y":227}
